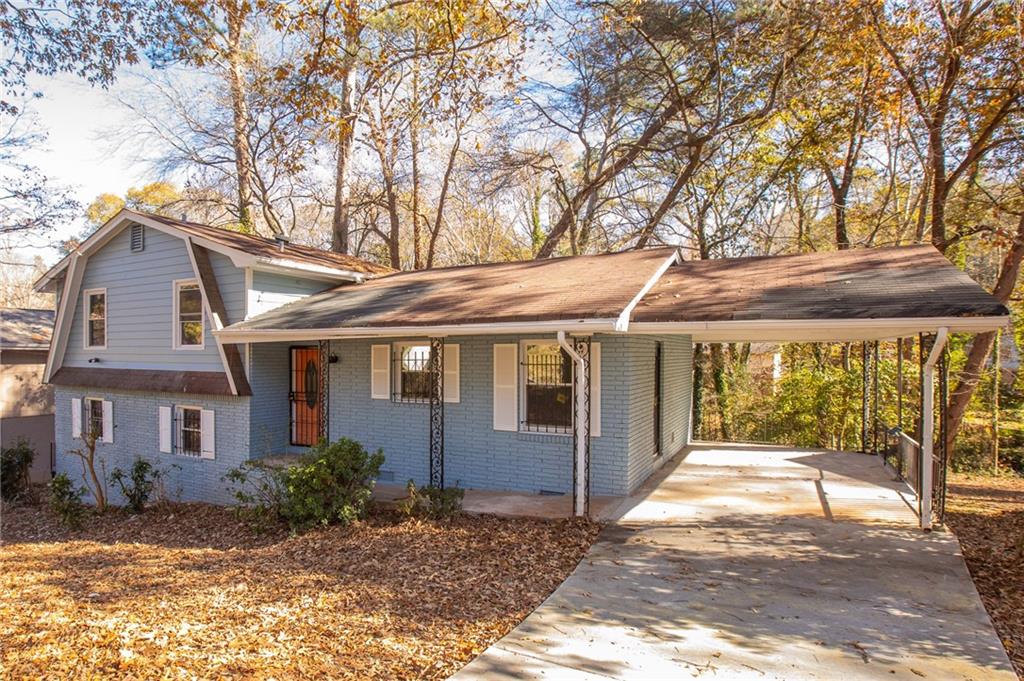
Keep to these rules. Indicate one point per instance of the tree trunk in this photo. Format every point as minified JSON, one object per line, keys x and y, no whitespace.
{"x":239,"y":113}
{"x":721,"y":392}
{"x":347,"y":117}
{"x":970,"y":375}
{"x":414,"y":144}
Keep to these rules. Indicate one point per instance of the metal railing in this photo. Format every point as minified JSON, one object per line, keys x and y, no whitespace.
{"x":902,"y":455}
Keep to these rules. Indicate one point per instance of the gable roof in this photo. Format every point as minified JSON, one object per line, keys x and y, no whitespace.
{"x":245,"y":250}
{"x":581,"y":288}
{"x":862,"y":283}
{"x":859,"y":294}
{"x":25,"y":329}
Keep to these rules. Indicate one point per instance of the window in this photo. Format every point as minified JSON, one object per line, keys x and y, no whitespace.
{"x":188,"y":315}
{"x":95,"y":318}
{"x":547,"y":388}
{"x":412,"y":372}
{"x":189,"y":431}
{"x":93,"y":417}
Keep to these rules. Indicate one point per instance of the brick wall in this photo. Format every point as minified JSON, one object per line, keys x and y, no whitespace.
{"x":136,"y":433}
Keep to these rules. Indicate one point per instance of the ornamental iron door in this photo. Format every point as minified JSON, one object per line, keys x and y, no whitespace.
{"x":304,"y":396}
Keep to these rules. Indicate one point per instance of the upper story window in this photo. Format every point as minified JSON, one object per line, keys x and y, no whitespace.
{"x":412,"y":372}
{"x":95,"y":301}
{"x":547,"y":388}
{"x":188,"y":315}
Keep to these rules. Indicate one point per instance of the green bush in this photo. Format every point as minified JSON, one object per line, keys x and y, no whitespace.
{"x":431,"y":502}
{"x":332,"y":483}
{"x":66,"y":500}
{"x":15,"y":463}
{"x":138,"y":484}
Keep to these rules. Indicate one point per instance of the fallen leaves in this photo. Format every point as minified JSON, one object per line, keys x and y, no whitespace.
{"x":190,"y":592}
{"x":987,"y":515}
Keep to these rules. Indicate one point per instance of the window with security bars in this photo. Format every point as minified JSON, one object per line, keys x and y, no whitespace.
{"x":412,"y":373}
{"x":547,"y":388}
{"x":189,"y":435}
{"x":93,"y":408}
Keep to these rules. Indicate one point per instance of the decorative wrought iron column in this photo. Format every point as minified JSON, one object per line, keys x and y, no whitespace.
{"x":865,"y":398}
{"x":324,"y":390}
{"x":581,"y":426}
{"x":436,"y":368}
{"x":874,"y":398}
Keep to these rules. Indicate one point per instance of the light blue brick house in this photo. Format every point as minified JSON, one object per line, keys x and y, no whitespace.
{"x":199,"y":349}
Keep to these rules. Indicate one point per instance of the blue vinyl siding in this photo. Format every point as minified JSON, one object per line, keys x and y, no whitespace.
{"x":270,"y":290}
{"x":140,"y":305}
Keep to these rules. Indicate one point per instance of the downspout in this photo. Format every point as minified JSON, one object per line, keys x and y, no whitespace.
{"x":928,"y":426}
{"x":578,"y":421}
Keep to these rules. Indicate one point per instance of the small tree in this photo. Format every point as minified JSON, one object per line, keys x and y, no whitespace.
{"x":93,"y":481}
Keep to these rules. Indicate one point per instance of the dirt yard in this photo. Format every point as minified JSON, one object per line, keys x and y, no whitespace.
{"x":987,"y":515}
{"x":190,"y":592}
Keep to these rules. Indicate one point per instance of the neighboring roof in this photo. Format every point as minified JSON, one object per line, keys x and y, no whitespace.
{"x":570,"y":288}
{"x":25,"y":329}
{"x":862,"y":283}
{"x":269,"y":248}
{"x":245,"y":250}
{"x":190,"y":382}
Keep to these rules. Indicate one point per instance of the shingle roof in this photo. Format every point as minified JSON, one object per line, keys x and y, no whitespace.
{"x":898,"y":282}
{"x":582,"y":287}
{"x":269,"y":248}
{"x":25,"y":328}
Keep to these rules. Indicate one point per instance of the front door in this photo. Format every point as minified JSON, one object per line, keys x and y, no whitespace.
{"x":304,"y":395}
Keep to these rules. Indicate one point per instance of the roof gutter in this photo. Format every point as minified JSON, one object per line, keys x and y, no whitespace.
{"x":230,"y":335}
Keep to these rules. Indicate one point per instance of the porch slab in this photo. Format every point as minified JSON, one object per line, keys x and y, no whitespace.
{"x":510,"y":504}
{"x":741,"y":562}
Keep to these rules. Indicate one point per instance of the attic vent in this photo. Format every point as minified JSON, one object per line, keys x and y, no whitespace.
{"x":137,"y":238}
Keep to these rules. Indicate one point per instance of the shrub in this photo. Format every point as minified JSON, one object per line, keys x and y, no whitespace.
{"x":138,"y":484}
{"x":15,"y":463}
{"x":332,"y":483}
{"x":432,"y":502}
{"x":259,"y":491}
{"x":66,"y":500}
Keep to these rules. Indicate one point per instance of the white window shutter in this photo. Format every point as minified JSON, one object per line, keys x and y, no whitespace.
{"x":76,"y":417}
{"x":165,"y":430}
{"x":506,"y":385}
{"x":108,"y":421}
{"x":451,"y":373}
{"x":595,"y":389}
{"x":208,"y":434}
{"x":380,"y":370}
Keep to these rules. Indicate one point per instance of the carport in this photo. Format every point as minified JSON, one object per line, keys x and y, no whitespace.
{"x":864,"y":296}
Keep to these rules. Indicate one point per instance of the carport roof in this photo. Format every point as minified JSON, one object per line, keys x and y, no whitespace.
{"x":846,"y":295}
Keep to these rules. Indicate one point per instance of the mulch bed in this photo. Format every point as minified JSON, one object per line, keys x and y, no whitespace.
{"x":187,"y":591}
{"x":987,"y":514}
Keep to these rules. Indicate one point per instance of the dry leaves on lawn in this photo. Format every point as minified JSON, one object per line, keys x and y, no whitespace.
{"x":190,"y":592}
{"x":987,"y":515}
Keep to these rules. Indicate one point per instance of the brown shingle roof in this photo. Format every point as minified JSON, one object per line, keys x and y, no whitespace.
{"x":25,"y":328}
{"x":582,"y":287}
{"x":268,"y":248}
{"x":899,"y":282}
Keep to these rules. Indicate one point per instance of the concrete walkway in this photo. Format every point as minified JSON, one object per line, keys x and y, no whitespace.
{"x":741,"y":562}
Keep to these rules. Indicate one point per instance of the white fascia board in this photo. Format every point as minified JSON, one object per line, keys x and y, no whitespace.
{"x":622,"y":323}
{"x":229,"y":335}
{"x":305,"y":270}
{"x":819,"y":330}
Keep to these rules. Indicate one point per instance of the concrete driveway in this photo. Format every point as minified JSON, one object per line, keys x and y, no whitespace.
{"x":746,"y":562}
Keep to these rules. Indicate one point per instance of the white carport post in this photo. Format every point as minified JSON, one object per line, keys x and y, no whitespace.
{"x":580,"y":424}
{"x":928,"y":425}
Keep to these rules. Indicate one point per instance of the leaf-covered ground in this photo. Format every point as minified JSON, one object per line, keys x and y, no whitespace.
{"x":189,"y":592}
{"x":987,"y":515}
